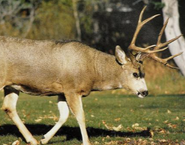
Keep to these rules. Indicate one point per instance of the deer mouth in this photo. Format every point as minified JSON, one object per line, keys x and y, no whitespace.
{"x":142,"y":94}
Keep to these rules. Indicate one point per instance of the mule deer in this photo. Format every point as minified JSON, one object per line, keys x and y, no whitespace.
{"x":70,"y":70}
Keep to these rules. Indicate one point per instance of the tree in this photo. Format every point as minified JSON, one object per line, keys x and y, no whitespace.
{"x":75,"y":12}
{"x":54,"y":20}
{"x":172,"y":30}
{"x":17,"y":16}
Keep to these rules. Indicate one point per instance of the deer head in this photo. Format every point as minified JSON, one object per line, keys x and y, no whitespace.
{"x":133,"y":61}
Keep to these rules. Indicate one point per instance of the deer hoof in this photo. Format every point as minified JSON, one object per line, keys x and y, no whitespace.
{"x":32,"y":143}
{"x":43,"y":141}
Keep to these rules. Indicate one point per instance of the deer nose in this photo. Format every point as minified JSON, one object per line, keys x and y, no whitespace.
{"x":144,"y":93}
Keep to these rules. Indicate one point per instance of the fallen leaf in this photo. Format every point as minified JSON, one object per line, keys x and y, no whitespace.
{"x":111,"y":143}
{"x":118,"y":128}
{"x":166,"y":121}
{"x":38,"y":120}
{"x":117,"y":119}
{"x":169,"y":112}
{"x":170,"y":125}
{"x":163,"y":141}
{"x":111,"y":127}
{"x":127,"y":139}
{"x":106,"y":125}
{"x":161,"y":131}
{"x":92,"y":116}
{"x":177,"y":118}
{"x":17,"y":142}
{"x":96,"y":142}
{"x":151,"y":133}
{"x":135,"y":125}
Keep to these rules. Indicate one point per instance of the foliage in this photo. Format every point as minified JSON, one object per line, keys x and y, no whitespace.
{"x":16,"y":16}
{"x":163,"y":80}
{"x":37,"y":19}
{"x":158,"y":5}
{"x":54,"y":20}
{"x":110,"y":118}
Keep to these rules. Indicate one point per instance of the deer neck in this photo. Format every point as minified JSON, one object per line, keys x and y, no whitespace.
{"x":108,"y":73}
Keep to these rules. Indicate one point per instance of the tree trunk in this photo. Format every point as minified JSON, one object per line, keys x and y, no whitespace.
{"x":173,"y":30}
{"x":75,"y":12}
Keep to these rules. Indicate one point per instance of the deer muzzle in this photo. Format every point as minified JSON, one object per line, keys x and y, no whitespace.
{"x":142,"y":94}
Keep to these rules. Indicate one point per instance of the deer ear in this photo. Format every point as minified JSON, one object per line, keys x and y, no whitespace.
{"x":120,"y":55}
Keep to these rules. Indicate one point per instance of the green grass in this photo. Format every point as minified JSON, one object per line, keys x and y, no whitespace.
{"x":163,"y":116}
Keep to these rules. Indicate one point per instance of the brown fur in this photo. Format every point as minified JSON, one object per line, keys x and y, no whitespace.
{"x":67,"y":69}
{"x":49,"y":68}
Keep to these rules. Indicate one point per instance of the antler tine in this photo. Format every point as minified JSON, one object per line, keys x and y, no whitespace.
{"x":169,"y":41}
{"x":138,"y":28}
{"x":160,"y":34}
{"x":165,"y":60}
{"x":170,"y":66}
{"x":159,"y":44}
{"x":156,"y":48}
{"x":153,"y":51}
{"x":171,"y":57}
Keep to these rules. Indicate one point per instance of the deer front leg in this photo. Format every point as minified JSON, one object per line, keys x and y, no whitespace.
{"x":64,"y":113}
{"x":9,"y":106}
{"x":75,"y":104}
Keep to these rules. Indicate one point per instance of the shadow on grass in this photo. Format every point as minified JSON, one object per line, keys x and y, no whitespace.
{"x":69,"y":132}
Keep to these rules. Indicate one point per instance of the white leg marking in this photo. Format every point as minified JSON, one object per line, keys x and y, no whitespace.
{"x":75,"y":104}
{"x":9,"y":106}
{"x":64,"y":113}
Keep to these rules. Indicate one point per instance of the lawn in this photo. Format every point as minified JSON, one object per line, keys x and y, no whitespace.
{"x":110,"y":119}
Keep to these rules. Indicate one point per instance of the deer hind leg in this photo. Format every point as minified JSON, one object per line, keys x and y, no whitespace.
{"x":64,"y":113}
{"x":9,"y":106}
{"x":75,"y":104}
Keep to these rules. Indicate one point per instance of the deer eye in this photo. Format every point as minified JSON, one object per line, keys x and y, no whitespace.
{"x":140,"y":62}
{"x":135,"y":75}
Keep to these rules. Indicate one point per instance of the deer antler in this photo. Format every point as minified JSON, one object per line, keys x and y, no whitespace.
{"x":160,"y":45}
{"x":156,"y":48}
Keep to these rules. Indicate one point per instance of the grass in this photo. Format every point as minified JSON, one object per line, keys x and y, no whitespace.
{"x":163,"y":80}
{"x":153,"y":119}
{"x":112,"y":117}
